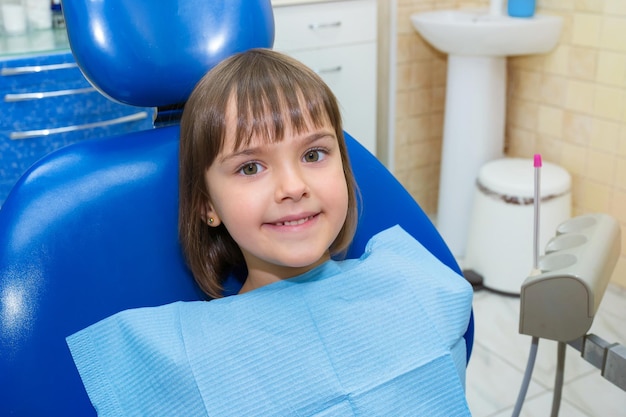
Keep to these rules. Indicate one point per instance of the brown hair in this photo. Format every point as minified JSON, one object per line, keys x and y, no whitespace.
{"x":271,"y":91}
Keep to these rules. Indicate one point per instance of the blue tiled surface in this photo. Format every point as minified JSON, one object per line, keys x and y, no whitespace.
{"x":16,"y":155}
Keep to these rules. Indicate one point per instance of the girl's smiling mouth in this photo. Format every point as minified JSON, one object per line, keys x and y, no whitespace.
{"x":295,"y":221}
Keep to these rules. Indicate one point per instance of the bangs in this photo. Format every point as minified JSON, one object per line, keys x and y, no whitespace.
{"x":266,"y":106}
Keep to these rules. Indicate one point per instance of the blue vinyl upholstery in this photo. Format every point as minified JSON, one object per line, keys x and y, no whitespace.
{"x":91,"y":229}
{"x":150,"y":54}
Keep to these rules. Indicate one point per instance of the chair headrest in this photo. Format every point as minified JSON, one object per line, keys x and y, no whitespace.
{"x":152,"y":53}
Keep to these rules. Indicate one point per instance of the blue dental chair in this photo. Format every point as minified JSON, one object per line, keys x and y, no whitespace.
{"x":91,"y":229}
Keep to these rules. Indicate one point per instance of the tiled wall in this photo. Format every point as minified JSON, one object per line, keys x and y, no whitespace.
{"x":568,"y":105}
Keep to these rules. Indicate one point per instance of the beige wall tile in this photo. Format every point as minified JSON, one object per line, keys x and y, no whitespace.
{"x":439,"y":68}
{"x":523,"y":114}
{"x":586,"y":29}
{"x":615,"y":7}
{"x":611,"y":68}
{"x":550,"y":149}
{"x":436,"y":125}
{"x":528,"y":62}
{"x":580,"y":96}
{"x":412,"y":47}
{"x":411,"y":130}
{"x":574,"y":159}
{"x":420,"y":101}
{"x":405,"y":10}
{"x":589,"y":5}
{"x":582,"y":63}
{"x":577,"y":128}
{"x":419,"y":153}
{"x":608,"y":102}
{"x":403,"y":132}
{"x":557,"y":61}
{"x":620,"y":176}
{"x":596,"y":197}
{"x":550,"y":121}
{"x":553,"y":90}
{"x":600,"y":166}
{"x":618,"y":208}
{"x":613,"y":33}
{"x":438,"y":102}
{"x":621,"y":144}
{"x":527,"y":85}
{"x":521,"y":142}
{"x":577,"y":195}
{"x":567,"y":29}
{"x":419,"y":183}
{"x":402,"y":104}
{"x":556,"y":4}
{"x":415,"y":74}
{"x":605,"y":135}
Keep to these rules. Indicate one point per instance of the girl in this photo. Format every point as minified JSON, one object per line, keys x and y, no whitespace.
{"x":266,"y":185}
{"x":265,"y":181}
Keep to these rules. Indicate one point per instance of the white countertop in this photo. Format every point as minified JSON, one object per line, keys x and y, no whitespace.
{"x":54,"y":40}
{"x":34,"y":42}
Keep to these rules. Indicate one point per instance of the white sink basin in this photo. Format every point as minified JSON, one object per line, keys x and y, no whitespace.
{"x":478,"y":33}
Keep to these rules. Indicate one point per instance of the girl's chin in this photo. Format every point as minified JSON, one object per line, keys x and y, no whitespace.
{"x":309,"y":264}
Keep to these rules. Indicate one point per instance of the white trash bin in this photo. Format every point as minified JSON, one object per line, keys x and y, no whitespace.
{"x":500,"y":244}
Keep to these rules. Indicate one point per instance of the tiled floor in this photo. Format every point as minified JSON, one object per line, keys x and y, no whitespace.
{"x":496,"y":369}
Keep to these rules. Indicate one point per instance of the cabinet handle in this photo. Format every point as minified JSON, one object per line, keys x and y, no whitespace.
{"x":329,"y":70}
{"x":36,"y":68}
{"x":10,"y":98}
{"x":29,"y":134}
{"x":328,"y":25}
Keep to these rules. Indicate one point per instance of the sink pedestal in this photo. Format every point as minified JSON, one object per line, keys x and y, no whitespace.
{"x":473,"y":134}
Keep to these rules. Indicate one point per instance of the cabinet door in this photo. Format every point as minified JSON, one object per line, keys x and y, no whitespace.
{"x":323,"y":25}
{"x":350,"y":71}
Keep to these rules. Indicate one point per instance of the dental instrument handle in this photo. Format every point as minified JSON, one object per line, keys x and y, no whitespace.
{"x":537,"y":164}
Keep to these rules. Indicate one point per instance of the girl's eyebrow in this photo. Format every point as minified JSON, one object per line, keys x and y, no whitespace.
{"x":318,"y":135}
{"x":306,"y":141}
{"x":244,"y":152}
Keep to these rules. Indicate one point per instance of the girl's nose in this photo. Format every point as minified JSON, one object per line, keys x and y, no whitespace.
{"x":291,"y":184}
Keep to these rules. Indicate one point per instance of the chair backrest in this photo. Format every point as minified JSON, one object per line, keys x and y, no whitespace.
{"x":91,"y":229}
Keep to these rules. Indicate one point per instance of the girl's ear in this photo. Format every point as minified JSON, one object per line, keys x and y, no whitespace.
{"x":209,"y":216}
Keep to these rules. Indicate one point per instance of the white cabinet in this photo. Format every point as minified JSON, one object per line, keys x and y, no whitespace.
{"x":337,"y":39}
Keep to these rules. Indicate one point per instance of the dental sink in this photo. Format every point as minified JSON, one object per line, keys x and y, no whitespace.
{"x":478,"y":42}
{"x":479,"y":33}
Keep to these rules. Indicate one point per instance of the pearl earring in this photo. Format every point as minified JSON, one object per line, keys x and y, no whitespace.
{"x":211,"y":220}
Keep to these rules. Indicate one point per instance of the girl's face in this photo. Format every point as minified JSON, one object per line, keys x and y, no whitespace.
{"x":284,"y":203}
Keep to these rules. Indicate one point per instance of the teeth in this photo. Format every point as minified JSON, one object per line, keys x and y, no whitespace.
{"x":293,"y":222}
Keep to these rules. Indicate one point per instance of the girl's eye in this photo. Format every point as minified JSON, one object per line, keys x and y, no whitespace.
{"x":251,"y":168}
{"x":314,"y":155}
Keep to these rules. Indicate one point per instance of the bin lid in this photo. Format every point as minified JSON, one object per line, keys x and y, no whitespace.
{"x":516,"y":177}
